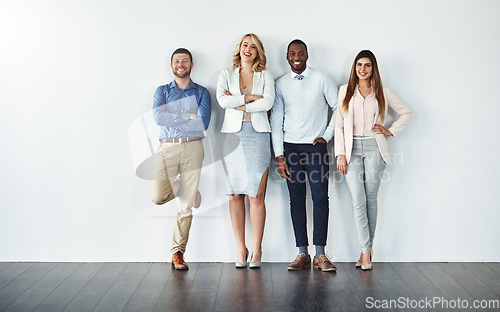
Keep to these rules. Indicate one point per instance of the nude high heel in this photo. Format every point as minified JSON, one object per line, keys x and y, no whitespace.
{"x":358,"y":264}
{"x":369,"y":266}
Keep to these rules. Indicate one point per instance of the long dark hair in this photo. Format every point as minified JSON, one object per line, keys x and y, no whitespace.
{"x":375,"y":81}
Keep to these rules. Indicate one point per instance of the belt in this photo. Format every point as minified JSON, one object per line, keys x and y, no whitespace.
{"x":181,"y":140}
{"x":363,"y":138}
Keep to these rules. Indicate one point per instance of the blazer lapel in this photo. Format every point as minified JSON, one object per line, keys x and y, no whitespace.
{"x":235,"y":82}
{"x":256,"y":82}
{"x":350,"y":114}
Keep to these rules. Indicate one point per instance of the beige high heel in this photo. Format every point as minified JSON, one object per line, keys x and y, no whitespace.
{"x":366,"y":267}
{"x":358,"y":264}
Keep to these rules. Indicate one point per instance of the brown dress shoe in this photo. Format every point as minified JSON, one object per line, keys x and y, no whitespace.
{"x":301,"y":262}
{"x":178,"y":262}
{"x":323,"y":263}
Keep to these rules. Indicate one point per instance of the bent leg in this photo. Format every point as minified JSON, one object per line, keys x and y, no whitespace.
{"x":190,"y":169}
{"x":166,"y":185}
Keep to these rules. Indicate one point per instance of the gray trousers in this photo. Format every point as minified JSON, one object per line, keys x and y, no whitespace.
{"x":364,"y":173}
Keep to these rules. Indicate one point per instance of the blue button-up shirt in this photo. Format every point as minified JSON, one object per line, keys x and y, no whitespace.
{"x":172,"y":107}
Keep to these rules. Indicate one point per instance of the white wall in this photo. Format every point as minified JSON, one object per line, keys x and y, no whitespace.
{"x":75,"y":75}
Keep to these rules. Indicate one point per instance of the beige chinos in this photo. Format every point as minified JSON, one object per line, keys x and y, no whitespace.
{"x":182,"y":164}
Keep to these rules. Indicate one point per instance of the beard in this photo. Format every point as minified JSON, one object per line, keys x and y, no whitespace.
{"x":183,"y":75}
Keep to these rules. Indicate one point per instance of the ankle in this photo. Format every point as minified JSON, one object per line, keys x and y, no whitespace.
{"x":320,"y":250}
{"x":256,"y":257}
{"x":365,"y":258}
{"x":257,"y":251}
{"x":303,"y":249}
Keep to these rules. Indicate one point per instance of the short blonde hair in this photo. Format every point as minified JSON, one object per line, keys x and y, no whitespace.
{"x":259,"y":64}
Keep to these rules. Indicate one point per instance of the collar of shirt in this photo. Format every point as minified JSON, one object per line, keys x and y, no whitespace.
{"x":356,"y":90}
{"x":191,"y":85}
{"x":305,"y":73}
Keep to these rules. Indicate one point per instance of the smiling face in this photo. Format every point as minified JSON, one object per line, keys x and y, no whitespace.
{"x":181,"y":65}
{"x":248,"y":50}
{"x":297,"y":57}
{"x":364,"y":68}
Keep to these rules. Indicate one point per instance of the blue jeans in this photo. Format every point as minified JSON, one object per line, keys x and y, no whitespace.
{"x":308,"y":162}
{"x":364,"y":173}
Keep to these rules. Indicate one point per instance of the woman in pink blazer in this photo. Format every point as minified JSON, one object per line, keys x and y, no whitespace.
{"x":360,"y":143}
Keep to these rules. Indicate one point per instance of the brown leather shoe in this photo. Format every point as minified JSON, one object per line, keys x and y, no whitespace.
{"x":178,"y":262}
{"x":324,"y":264}
{"x":301,"y":262}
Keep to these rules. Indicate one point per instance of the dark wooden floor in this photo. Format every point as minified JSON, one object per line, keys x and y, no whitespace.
{"x":220,"y":287}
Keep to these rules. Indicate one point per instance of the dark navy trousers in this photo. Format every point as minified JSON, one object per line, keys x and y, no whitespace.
{"x":308,"y":162}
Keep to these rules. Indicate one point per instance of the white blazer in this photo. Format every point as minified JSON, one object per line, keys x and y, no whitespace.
{"x":263,"y":84}
{"x":344,"y":124}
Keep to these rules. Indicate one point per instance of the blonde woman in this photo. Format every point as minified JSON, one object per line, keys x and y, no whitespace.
{"x":246,"y":92}
{"x":360,"y":143}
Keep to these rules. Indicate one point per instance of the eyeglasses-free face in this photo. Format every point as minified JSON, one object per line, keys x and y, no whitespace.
{"x":181,"y":65}
{"x":248,"y":50}
{"x":297,"y":57}
{"x":364,"y":68}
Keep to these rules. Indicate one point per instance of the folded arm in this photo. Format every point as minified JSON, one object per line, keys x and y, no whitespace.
{"x":267,"y":98}
{"x":227,"y":101}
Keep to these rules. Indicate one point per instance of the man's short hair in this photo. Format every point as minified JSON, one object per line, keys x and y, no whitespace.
{"x":182,"y":51}
{"x":296,"y":41}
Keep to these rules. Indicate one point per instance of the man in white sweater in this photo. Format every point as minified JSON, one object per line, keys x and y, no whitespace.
{"x":300,"y":131}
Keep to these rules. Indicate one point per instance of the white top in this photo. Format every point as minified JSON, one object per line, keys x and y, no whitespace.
{"x":300,"y":110}
{"x":263,"y":84}
{"x":365,"y":112}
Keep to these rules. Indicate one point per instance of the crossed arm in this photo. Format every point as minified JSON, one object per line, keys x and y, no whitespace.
{"x":185,"y":121}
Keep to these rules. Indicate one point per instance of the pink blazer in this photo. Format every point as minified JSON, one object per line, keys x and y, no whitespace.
{"x":344,"y":124}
